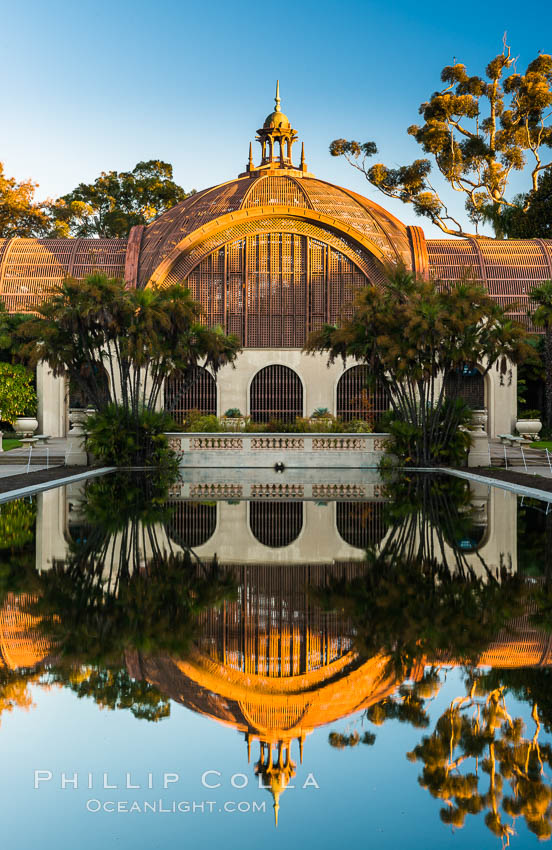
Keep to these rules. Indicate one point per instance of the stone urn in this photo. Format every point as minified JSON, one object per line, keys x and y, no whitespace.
{"x":77,"y":418}
{"x":25,"y":426}
{"x":479,"y":421}
{"x":529,"y":428}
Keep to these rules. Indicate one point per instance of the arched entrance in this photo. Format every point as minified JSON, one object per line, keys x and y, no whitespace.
{"x":276,"y":524}
{"x":467,"y":384}
{"x":276,"y":392}
{"x":361,"y":524}
{"x":197,"y":391}
{"x":192,"y":523}
{"x":359,"y":398}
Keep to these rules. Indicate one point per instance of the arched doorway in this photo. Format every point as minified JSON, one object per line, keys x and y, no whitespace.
{"x":467,"y":384}
{"x":79,"y":397}
{"x":361,"y":524}
{"x":192,"y":523}
{"x":194,"y":391}
{"x":359,"y":398}
{"x":276,"y":524}
{"x":276,"y":392}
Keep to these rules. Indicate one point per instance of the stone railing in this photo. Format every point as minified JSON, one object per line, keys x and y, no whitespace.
{"x":269,"y":450}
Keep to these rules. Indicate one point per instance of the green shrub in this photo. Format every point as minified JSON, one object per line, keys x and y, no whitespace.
{"x":17,"y":393}
{"x":117,"y":437}
{"x":17,"y":523}
{"x":198,"y":421}
{"x":233,"y":413}
{"x":406,"y":437}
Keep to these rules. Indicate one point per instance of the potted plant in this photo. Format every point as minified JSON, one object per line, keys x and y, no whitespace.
{"x":233,"y":419}
{"x":529,"y":425}
{"x":18,"y":401}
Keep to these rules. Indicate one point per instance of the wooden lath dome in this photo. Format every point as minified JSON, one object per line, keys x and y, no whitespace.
{"x":250,"y":199}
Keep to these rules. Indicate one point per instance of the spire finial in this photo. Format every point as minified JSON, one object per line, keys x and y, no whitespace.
{"x":277,"y":98}
{"x":276,"y":807}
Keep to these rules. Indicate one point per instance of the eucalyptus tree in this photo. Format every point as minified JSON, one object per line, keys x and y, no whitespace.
{"x":418,"y":337}
{"x":477,"y":736}
{"x":479,"y":130}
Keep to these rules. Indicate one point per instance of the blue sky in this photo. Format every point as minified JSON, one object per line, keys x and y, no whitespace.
{"x":93,"y":86}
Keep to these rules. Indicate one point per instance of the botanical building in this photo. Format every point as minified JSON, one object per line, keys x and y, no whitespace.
{"x":271,"y":255}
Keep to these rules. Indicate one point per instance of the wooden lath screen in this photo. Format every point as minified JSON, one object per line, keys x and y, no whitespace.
{"x":276,"y":392}
{"x":282,"y":191}
{"x":276,"y":290}
{"x":360,"y":398}
{"x":276,"y":524}
{"x":361,"y":524}
{"x":272,"y":289}
{"x":468,"y":387}
{"x":31,"y":268}
{"x":197,"y":391}
{"x":192,"y":523}
{"x":275,"y":628}
{"x":507,"y":268}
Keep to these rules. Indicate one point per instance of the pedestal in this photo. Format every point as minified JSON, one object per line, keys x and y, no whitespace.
{"x":479,"y":451}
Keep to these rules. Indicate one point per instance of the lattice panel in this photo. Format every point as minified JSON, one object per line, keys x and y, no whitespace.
{"x":361,"y":524}
{"x":366,"y":262}
{"x":344,"y":283}
{"x":164,"y":234}
{"x":449,"y":259}
{"x":468,"y":387}
{"x":22,"y":641}
{"x":107,"y":255}
{"x":191,"y":524}
{"x":358,"y":398}
{"x":31,"y":268}
{"x":276,"y":524}
{"x":276,"y":392}
{"x":284,"y":191}
{"x":276,"y":291}
{"x":206,"y":283}
{"x":318,"y":289}
{"x":274,"y":628}
{"x":181,"y":395}
{"x":332,"y":200}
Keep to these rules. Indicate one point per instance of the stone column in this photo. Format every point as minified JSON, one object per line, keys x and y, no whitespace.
{"x":51,"y":393}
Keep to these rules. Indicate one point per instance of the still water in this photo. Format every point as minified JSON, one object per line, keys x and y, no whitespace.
{"x":290,"y":659}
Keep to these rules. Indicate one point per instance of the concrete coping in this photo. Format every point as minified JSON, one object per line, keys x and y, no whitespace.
{"x":284,"y":434}
{"x":30,"y":489}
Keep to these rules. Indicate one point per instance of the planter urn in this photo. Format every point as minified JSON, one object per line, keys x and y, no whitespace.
{"x":529,"y":428}
{"x":25,"y":426}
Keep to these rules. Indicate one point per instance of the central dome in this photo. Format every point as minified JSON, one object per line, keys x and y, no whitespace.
{"x":270,"y":195}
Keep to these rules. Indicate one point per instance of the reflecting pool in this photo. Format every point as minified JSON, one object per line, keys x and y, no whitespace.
{"x":304,"y":658}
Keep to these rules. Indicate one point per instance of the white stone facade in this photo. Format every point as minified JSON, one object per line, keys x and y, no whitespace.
{"x":319,"y":389}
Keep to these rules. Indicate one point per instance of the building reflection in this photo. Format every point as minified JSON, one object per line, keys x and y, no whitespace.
{"x":272,"y":663}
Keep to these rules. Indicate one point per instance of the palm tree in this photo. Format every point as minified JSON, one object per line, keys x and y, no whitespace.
{"x":542,"y":318}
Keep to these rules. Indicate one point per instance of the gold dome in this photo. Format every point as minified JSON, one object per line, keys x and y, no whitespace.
{"x":277,"y":120}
